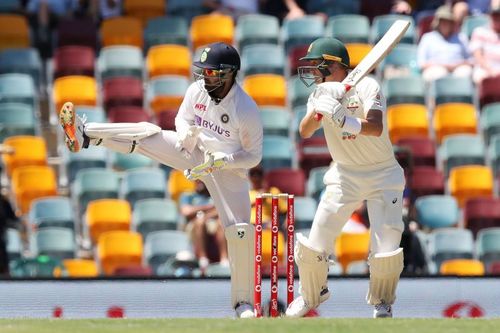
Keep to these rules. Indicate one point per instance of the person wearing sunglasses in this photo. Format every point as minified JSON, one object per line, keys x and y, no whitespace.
{"x":218,"y":138}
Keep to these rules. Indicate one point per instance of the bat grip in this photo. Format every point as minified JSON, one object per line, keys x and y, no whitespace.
{"x":319,"y":116}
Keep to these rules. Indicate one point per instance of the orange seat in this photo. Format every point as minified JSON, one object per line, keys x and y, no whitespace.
{"x":32,"y":182}
{"x":357,"y":51}
{"x":77,"y":268}
{"x":470,"y":181}
{"x":465,"y":267}
{"x":169,"y":59}
{"x":81,"y":90}
{"x":454,"y":118}
{"x":352,"y":247}
{"x":106,"y":215}
{"x":119,"y":249}
{"x":28,"y":150}
{"x":144,"y":9}
{"x":14,"y":31}
{"x":266,"y":89}
{"x":122,"y":30}
{"x":407,"y":120}
{"x":178,"y":183}
{"x":206,"y":29}
{"x":266,"y":249}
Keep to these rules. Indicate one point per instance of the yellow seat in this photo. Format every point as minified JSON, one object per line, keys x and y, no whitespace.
{"x":178,"y":183}
{"x":32,"y":182}
{"x":144,"y":9}
{"x":266,"y":89}
{"x":14,"y":31}
{"x":357,"y":51}
{"x":406,"y":120}
{"x":119,"y":249}
{"x":28,"y":150}
{"x":78,"y":268}
{"x":465,"y":267}
{"x":352,"y":247}
{"x":106,"y":215}
{"x":206,"y":29}
{"x":81,"y":90}
{"x":470,"y":181}
{"x":454,"y":118}
{"x":266,"y":249}
{"x":122,"y":30}
{"x":169,"y":59}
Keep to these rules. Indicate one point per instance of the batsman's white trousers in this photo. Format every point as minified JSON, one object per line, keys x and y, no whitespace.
{"x":232,"y":187}
{"x":346,"y":187}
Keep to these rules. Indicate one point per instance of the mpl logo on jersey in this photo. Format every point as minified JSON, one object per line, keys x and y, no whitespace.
{"x":201,"y":107}
{"x":211,"y":126}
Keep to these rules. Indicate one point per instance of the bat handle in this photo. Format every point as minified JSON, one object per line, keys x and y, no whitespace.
{"x":319,"y":116}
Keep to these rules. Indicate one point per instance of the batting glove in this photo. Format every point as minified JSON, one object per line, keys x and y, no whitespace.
{"x":331,"y":108}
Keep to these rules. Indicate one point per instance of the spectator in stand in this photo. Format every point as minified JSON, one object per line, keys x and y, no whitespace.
{"x":104,"y":9}
{"x":485,"y":47}
{"x":202,"y":219}
{"x":443,"y":51}
{"x":234,"y":8}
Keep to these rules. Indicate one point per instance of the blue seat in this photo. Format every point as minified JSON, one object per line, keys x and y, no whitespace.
{"x":163,"y":245}
{"x":155,"y":214}
{"x":186,"y":8}
{"x":277,"y":152}
{"x":315,"y":184}
{"x":450,"y":243}
{"x":114,"y":61}
{"x":301,"y":31}
{"x":488,"y":245}
{"x":404,"y":90}
{"x":305,"y":208}
{"x":451,"y":89}
{"x":471,"y":22}
{"x":494,"y":153}
{"x":92,"y":157}
{"x":24,"y":61}
{"x":144,"y":183}
{"x":123,"y":162}
{"x":18,"y":88}
{"x":40,"y":267}
{"x":257,"y":29}
{"x":404,"y":58}
{"x":94,"y":114}
{"x":52,"y":212}
{"x":263,"y":58}
{"x":437,"y":211}
{"x":382,"y":23}
{"x":333,"y":8}
{"x":298,"y":113}
{"x":349,"y":28}
{"x":298,"y":91}
{"x":453,"y":154}
{"x":166,"y":30}
{"x":276,"y":121}
{"x":14,"y":244}
{"x":10,"y":6}
{"x":490,"y":121}
{"x":58,"y":243}
{"x":16,"y":119}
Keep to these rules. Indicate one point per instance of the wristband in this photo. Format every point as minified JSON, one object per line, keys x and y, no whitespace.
{"x":352,"y":125}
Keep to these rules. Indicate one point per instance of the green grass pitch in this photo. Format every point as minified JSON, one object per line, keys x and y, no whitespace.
{"x":226,"y":325}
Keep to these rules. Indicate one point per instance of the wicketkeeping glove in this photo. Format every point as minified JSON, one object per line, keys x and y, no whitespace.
{"x":186,"y":142}
{"x":213,"y":162}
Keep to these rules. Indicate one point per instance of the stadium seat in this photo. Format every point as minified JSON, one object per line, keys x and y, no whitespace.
{"x":122,"y":30}
{"x":206,"y":29}
{"x":120,"y":60}
{"x":278,"y":152}
{"x":74,"y":60}
{"x":14,"y":31}
{"x":424,"y":25}
{"x":466,"y":182}
{"x":422,"y":149}
{"x":166,"y":93}
{"x":407,"y":120}
{"x":56,"y":242}
{"x":16,"y":119}
{"x":166,"y":119}
{"x":119,"y":248}
{"x":404,"y":90}
{"x":462,"y":267}
{"x":187,"y":9}
{"x":178,"y":183}
{"x":341,"y":7}
{"x":453,"y":154}
{"x":81,"y":31}
{"x":78,"y":268}
{"x":437,"y":211}
{"x":122,"y":91}
{"x":9,"y":6}
{"x":155,"y":214}
{"x":488,"y":91}
{"x":276,"y":121}
{"x":266,"y":89}
{"x":263,"y":59}
{"x":382,"y":23}
{"x":168,"y":60}
{"x":481,"y":213}
{"x":357,"y":51}
{"x":305,"y":209}
{"x":450,"y":243}
{"x":494,"y":153}
{"x":425,"y":180}
{"x":104,"y":215}
{"x":218,"y":270}
{"x":81,"y":90}
{"x":144,"y":9}
{"x":287,"y":180}
{"x":358,"y":267}
{"x":32,"y":182}
{"x":298,"y":91}
{"x":454,"y":118}
{"x":400,"y":62}
{"x":315,"y":185}
{"x":122,"y":162}
{"x":294,"y":55}
{"x":452,"y":89}
{"x":349,"y":28}
{"x":92,"y":113}
{"x":162,"y":245}
{"x":28,"y":150}
{"x":38,"y":267}
{"x":298,"y":114}
{"x":166,"y":30}
{"x":52,"y":212}
{"x":351,"y":247}
{"x":312,"y":153}
{"x":14,"y":244}
{"x":133,"y":271}
{"x":490,"y":121}
{"x":471,"y":22}
{"x":18,"y":88}
{"x":24,"y":61}
{"x":92,"y":157}
{"x":128,"y":114}
{"x":256,"y":29}
{"x":301,"y":31}
{"x":488,"y":246}
{"x":144,"y":183}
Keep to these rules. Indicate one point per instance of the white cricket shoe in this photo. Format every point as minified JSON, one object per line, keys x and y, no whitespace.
{"x":73,"y":127}
{"x":244,"y":310}
{"x":299,"y":308}
{"x":382,"y":310}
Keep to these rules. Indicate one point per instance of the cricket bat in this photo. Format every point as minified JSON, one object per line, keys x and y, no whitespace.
{"x":375,"y":56}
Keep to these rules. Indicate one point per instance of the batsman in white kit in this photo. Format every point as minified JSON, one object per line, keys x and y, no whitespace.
{"x":218,"y":138}
{"x":364,"y":168}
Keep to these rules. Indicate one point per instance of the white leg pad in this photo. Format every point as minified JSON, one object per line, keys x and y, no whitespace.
{"x":313,"y":272}
{"x":385,"y":269}
{"x":240,"y":247}
{"x":124,"y":131}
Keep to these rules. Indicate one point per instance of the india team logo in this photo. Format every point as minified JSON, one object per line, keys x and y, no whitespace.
{"x":204,"y":54}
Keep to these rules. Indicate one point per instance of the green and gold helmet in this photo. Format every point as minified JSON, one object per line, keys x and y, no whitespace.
{"x":325,"y":50}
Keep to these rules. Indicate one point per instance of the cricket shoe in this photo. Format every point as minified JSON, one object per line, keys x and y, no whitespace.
{"x":244,"y":310}
{"x":382,"y":310}
{"x":299,"y":308}
{"x":73,"y":127}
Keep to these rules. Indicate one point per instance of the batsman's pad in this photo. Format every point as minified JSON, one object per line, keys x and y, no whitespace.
{"x":240,"y":247}
{"x":385,"y":269}
{"x":313,"y":272}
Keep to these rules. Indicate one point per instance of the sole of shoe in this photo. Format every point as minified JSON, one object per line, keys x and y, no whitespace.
{"x":67,"y":121}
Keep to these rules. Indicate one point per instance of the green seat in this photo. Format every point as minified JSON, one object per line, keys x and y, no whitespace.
{"x":298,"y":91}
{"x":490,"y":121}
{"x":186,"y":8}
{"x":162,"y":245}
{"x":24,"y":61}
{"x":52,"y":212}
{"x":301,"y":31}
{"x":305,"y":209}
{"x":494,"y":153}
{"x":114,"y":61}
{"x":404,"y":90}
{"x":10,"y":6}
{"x":276,"y":121}
{"x":40,"y":267}
{"x":58,"y":243}
{"x":450,"y":243}
{"x":382,"y":23}
{"x":461,"y":149}
{"x":488,"y":245}
{"x":277,"y":152}
{"x":315,"y":184}
{"x":167,"y":85}
{"x":94,"y":114}
{"x":257,"y":29}
{"x":14,"y":244}
{"x":333,"y":7}
{"x":263,"y":58}
{"x":166,"y":30}
{"x":155,"y":214}
{"x":144,"y":183}
{"x":471,"y":22}
{"x":123,"y":162}
{"x":16,"y":119}
{"x":92,"y":157}
{"x":18,"y":88}
{"x":437,"y":211}
{"x":402,"y":56}
{"x":451,"y":89}
{"x":349,"y":28}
